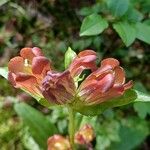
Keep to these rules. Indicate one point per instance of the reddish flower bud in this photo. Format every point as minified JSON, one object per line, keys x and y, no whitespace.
{"x":58,"y":142}
{"x":85,"y":135}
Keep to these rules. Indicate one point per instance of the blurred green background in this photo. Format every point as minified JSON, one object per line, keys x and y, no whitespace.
{"x":53,"y":25}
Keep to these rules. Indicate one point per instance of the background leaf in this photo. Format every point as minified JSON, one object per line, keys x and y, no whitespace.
{"x":2,"y":2}
{"x":40,"y":128}
{"x":118,"y":8}
{"x":142,"y":97}
{"x":133,"y":15}
{"x":142,"y":108}
{"x":93,"y":25}
{"x":143,"y":104}
{"x":143,"y":32}
{"x":131,"y":131}
{"x":85,"y":11}
{"x":127,"y":31}
{"x":4,"y":72}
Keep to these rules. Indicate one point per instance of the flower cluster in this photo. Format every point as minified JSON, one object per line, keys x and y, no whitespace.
{"x":32,"y":72}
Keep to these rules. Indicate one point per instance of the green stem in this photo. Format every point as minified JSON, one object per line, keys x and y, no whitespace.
{"x":71,"y":126}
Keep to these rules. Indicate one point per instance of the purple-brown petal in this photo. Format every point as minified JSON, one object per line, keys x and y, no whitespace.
{"x":58,"y":88}
{"x":11,"y":78}
{"x":27,"y":82}
{"x":99,"y":87}
{"x":16,"y":64}
{"x":49,"y":95}
{"x":105,"y":83}
{"x":40,"y":65}
{"x":98,"y":74}
{"x":128,"y":85}
{"x":112,"y":93}
{"x":84,"y":60}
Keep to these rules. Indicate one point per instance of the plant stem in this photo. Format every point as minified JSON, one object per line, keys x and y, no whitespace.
{"x":71,"y":126}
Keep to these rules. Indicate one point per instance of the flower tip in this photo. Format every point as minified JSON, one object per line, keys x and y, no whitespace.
{"x":29,"y":53}
{"x":37,"y":51}
{"x":85,"y":135}
{"x":87,"y":52}
{"x":40,"y":65}
{"x":15,"y":64}
{"x":128,"y":85}
{"x":58,"y":142}
{"x":111,"y":62}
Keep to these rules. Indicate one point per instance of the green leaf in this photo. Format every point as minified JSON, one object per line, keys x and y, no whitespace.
{"x":69,"y":56}
{"x":4,"y":72}
{"x":128,"y":97}
{"x":106,"y":132}
{"x":85,"y":11}
{"x":133,"y":132}
{"x":28,"y":141}
{"x":142,"y":97}
{"x":147,"y":21}
{"x":133,"y":15}
{"x":143,"y":109}
{"x":118,"y":8}
{"x":143,"y":32}
{"x":97,"y":41}
{"x":40,"y":128}
{"x":2,"y":2}
{"x":93,"y":25}
{"x":127,"y":31}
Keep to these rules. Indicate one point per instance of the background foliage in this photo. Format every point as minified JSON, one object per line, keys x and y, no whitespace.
{"x":113,"y":28}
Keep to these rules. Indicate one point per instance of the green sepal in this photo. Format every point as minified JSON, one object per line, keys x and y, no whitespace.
{"x":92,"y":110}
{"x":128,"y":97}
{"x":69,"y":56}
